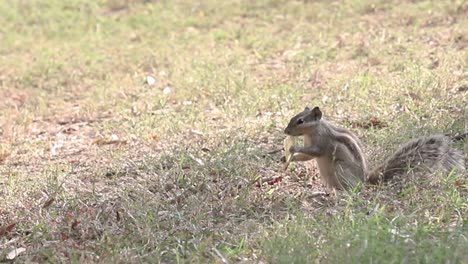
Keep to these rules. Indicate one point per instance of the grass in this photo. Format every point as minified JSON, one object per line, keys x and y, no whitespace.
{"x":375,"y":232}
{"x":96,"y":165}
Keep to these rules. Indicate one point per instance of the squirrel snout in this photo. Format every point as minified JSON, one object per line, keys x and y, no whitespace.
{"x":287,"y":131}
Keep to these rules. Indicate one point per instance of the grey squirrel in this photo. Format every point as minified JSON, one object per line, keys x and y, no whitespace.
{"x":342,"y":163}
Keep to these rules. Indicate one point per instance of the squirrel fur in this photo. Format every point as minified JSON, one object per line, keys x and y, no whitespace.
{"x":341,"y":160}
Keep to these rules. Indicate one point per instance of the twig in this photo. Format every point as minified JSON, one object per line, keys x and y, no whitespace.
{"x":274,"y":151}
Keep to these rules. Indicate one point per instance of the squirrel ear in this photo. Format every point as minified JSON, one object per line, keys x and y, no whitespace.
{"x":317,"y":113}
{"x":306,"y":108}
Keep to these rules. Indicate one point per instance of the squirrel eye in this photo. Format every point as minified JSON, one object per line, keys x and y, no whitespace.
{"x":300,"y":121}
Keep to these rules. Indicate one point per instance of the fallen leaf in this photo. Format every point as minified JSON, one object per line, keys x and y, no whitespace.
{"x":196,"y":132}
{"x":48,"y":202}
{"x":70,"y":130}
{"x":69,"y":216}
{"x":117,"y":215}
{"x":275,"y":180}
{"x":6,"y":229}
{"x":63,"y":236}
{"x":5,"y":155}
{"x":74,"y":224}
{"x":99,"y":141}
{"x":14,"y":253}
{"x":103,"y":141}
{"x":433,"y":64}
{"x":197,"y":160}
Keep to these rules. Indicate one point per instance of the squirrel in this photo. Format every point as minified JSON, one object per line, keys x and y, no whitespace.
{"x":341,"y":160}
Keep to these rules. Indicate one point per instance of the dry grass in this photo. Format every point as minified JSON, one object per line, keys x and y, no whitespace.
{"x":96,"y":165}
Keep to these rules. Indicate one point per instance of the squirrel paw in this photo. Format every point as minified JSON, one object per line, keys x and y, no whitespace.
{"x":293,"y":149}
{"x":283,"y":159}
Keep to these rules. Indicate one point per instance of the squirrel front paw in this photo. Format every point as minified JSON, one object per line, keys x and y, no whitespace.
{"x":293,"y":149}
{"x":283,"y":159}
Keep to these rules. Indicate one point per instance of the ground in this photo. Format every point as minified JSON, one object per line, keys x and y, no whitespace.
{"x":151,"y":131}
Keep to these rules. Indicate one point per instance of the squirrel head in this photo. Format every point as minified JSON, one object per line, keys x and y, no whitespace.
{"x":303,"y":122}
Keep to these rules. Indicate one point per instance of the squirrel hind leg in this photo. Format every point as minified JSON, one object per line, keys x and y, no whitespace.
{"x":347,"y":177}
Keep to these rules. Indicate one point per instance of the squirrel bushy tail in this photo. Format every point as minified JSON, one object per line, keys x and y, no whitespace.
{"x":430,"y":152}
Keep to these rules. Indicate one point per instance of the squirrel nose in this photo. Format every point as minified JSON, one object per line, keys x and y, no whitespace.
{"x":286,"y":131}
